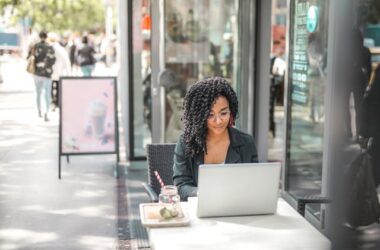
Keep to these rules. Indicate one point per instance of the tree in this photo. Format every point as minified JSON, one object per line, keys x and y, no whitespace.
{"x":58,"y":15}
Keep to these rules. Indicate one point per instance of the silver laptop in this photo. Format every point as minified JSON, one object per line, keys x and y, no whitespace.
{"x":238,"y":189}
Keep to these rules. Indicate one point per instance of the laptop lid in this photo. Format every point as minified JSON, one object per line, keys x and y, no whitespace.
{"x":238,"y":189}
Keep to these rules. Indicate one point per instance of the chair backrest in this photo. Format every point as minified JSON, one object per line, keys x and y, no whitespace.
{"x":160,"y":158}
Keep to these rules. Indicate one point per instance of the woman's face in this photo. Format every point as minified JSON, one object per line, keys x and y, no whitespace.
{"x":219,"y":116}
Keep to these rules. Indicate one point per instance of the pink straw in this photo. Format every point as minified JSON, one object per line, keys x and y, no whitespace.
{"x":159,"y":178}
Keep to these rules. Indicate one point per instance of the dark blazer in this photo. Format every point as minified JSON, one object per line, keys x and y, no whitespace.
{"x":242,"y":149}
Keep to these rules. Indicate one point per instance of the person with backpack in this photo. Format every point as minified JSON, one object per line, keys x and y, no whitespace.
{"x":44,"y":59}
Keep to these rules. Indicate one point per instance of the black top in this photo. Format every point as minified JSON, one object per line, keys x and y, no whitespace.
{"x":242,"y":149}
{"x":44,"y":59}
{"x":86,"y":56}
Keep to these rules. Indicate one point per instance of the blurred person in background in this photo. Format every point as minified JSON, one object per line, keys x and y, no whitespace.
{"x":277,"y":76}
{"x":85,"y":57}
{"x":64,"y":41}
{"x":103,"y":47}
{"x":72,"y":47}
{"x":60,"y":68}
{"x":44,"y":60}
{"x":316,"y":72}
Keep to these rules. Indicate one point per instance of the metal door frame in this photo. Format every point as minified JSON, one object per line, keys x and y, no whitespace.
{"x":158,"y":64}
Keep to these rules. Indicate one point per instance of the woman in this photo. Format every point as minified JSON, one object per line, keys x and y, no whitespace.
{"x":210,"y":108}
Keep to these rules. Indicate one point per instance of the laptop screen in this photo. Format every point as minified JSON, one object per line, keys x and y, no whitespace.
{"x":238,"y":189}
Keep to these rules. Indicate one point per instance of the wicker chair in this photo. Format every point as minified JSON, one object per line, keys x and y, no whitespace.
{"x":160,"y":159}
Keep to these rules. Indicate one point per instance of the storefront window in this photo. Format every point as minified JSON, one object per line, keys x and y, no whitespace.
{"x":201,"y":40}
{"x":306,"y":91}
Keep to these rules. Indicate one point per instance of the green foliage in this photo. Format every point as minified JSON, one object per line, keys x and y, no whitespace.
{"x":58,"y":15}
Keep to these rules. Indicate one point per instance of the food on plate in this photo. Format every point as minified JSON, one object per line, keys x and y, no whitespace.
{"x":168,"y":213}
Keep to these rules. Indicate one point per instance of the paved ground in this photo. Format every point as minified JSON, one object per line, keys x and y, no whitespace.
{"x":89,"y":208}
{"x":84,"y":210}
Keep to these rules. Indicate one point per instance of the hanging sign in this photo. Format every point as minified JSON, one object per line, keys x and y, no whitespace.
{"x":312,"y":19}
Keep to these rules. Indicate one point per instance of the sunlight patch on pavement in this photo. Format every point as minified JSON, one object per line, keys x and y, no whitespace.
{"x":26,"y":236}
{"x":16,"y":78}
{"x":3,"y":174}
{"x":90,"y":194}
{"x":97,"y":243}
{"x":28,"y":151}
{"x":9,"y":246}
{"x":89,"y":211}
{"x":29,"y":117}
{"x":33,"y":208}
{"x":4,"y":185}
{"x":15,"y":141}
{"x":30,"y":162}
{"x":8,"y":193}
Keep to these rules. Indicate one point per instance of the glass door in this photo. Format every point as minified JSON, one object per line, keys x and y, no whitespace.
{"x":191,"y":40}
{"x":306,"y":104}
{"x":140,"y":77}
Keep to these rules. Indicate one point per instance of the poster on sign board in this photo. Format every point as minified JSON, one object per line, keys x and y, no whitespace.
{"x":88,"y":121}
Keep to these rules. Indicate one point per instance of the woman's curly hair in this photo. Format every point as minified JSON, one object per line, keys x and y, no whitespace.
{"x":197,"y":105}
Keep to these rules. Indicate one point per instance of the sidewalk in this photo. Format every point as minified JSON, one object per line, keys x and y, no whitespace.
{"x":37,"y":210}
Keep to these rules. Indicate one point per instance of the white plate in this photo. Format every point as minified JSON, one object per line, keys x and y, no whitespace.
{"x":150,"y":216}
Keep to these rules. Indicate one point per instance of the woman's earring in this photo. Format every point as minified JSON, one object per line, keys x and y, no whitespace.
{"x":231,"y":122}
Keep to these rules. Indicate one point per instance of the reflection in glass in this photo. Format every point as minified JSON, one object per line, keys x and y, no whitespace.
{"x":196,"y":47}
{"x":366,"y":87}
{"x":277,"y":81}
{"x":142,"y":100}
{"x":360,"y":123}
{"x":307,"y":78}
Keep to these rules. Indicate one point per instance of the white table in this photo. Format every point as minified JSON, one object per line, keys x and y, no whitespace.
{"x":285,"y":230}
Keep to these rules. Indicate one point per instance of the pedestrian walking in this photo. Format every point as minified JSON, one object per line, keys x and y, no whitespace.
{"x":44,"y":60}
{"x":86,"y":59}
